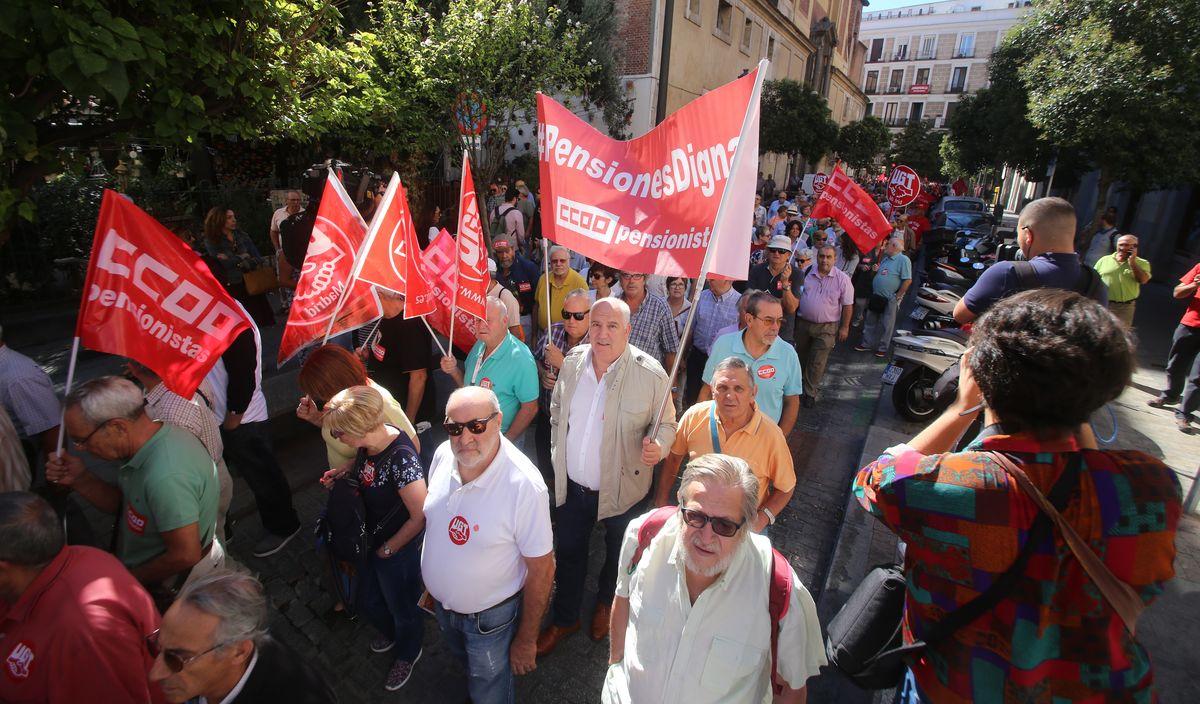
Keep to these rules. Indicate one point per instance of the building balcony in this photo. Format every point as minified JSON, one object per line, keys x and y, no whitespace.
{"x":905,"y":121}
{"x":893,"y":89}
{"x":900,"y":57}
{"x":871,"y":91}
{"x":926,"y":56}
{"x":956,"y":89}
{"x":964,"y":54}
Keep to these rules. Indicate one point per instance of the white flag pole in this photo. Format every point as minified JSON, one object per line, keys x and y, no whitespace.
{"x":62,"y":421}
{"x":708,"y":253}
{"x":546,"y":268}
{"x":434,"y":336}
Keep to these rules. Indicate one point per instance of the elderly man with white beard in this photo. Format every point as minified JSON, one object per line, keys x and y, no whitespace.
{"x":691,"y":621}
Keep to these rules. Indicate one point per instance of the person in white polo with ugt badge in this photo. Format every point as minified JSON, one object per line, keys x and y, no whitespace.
{"x":488,"y":558}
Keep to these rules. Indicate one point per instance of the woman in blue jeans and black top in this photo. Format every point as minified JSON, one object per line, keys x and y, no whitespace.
{"x":392,"y":485}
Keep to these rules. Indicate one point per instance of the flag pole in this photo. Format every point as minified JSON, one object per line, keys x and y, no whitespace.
{"x":708,"y":253}
{"x":546,"y":267}
{"x":62,"y":423}
{"x":434,"y":336}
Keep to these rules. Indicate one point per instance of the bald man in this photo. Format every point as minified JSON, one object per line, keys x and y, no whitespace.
{"x":1123,"y":272}
{"x":1046,"y":235}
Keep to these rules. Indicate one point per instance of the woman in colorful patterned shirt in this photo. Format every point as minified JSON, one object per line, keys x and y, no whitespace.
{"x":1042,"y":362}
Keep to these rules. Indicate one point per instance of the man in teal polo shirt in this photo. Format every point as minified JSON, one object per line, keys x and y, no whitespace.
{"x":774,"y":362}
{"x":1123,"y":272}
{"x":502,"y":363}
{"x":167,"y":488}
{"x":888,"y":287}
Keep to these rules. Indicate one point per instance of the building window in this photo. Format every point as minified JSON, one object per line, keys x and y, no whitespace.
{"x":949,"y":111}
{"x":692,"y":10}
{"x":876,"y":50}
{"x":846,"y":108}
{"x":901,"y":52}
{"x":747,"y":34}
{"x":723,"y":27}
{"x":958,"y":80}
{"x":870,"y":109}
{"x":889,"y":113}
{"x":771,"y":49}
{"x":928,"y":48}
{"x":966,"y":46}
{"x":916,"y":112}
{"x":896,"y":80}
{"x":872,"y":82}
{"x":922,"y":77}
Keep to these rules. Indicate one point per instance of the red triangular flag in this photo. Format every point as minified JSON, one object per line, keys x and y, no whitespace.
{"x":473,"y":278}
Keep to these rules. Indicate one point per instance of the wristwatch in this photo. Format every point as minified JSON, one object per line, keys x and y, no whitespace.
{"x":387,"y":549}
{"x":770,"y":516}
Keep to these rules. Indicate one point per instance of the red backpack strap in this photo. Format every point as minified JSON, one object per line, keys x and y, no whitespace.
{"x":649,"y":528}
{"x":779,"y":597}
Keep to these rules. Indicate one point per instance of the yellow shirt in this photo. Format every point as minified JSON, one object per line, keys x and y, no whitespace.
{"x":557,"y":294}
{"x":339,"y":453}
{"x":760,"y":442}
{"x":1118,"y":276}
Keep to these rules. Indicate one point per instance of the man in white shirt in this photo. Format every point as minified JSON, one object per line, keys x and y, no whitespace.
{"x":489,"y":551}
{"x":691,"y":621}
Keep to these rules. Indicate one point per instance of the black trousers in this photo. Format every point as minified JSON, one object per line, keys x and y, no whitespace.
{"x":695,"y":373}
{"x":248,"y":450}
{"x":1183,"y":370}
{"x":541,"y":439}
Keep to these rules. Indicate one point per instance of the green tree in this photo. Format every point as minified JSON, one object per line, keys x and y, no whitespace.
{"x":86,"y":72}
{"x":860,"y":143}
{"x":1118,"y":86}
{"x":795,"y":121}
{"x":918,"y":146}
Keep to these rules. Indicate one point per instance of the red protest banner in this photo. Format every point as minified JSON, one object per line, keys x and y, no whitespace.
{"x":438,"y":263}
{"x":844,"y":201}
{"x":903,"y":186}
{"x":473,"y":279}
{"x":149,"y":297}
{"x":650,"y":205}
{"x":337,"y":235}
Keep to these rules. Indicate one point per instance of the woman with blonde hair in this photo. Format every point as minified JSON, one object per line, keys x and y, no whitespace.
{"x":390,"y":480}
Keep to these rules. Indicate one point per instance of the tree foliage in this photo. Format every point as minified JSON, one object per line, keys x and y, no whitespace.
{"x":795,"y":121}
{"x":860,"y":143}
{"x":918,"y":146}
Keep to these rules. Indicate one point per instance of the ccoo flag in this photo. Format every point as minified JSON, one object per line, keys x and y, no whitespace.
{"x":844,"y":201}
{"x":149,"y":297}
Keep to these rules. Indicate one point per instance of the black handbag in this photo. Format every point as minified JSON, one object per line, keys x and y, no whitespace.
{"x":864,"y":640}
{"x":877,"y":303}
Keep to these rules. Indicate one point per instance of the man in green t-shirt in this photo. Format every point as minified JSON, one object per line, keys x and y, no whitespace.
{"x":1123,"y":272}
{"x":167,"y":488}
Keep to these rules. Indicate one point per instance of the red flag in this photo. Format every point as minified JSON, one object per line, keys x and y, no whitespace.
{"x":149,"y":297}
{"x":650,"y":204}
{"x":473,"y":279}
{"x":337,"y":235}
{"x":386,"y":262}
{"x":437,"y":261}
{"x":845,"y":201}
{"x":903,"y":186}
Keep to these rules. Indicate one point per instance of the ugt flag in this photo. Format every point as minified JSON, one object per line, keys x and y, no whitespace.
{"x":391,"y":259}
{"x":149,"y":297}
{"x":472,"y":269}
{"x":844,"y":201}
{"x":650,"y":205}
{"x":318,"y":307}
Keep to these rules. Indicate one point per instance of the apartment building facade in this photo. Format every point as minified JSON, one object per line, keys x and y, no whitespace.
{"x":921,"y":59}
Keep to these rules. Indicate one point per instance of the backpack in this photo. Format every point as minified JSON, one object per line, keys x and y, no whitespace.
{"x":498,"y":225}
{"x":343,"y":527}
{"x":780,"y":590}
{"x":1089,"y":284}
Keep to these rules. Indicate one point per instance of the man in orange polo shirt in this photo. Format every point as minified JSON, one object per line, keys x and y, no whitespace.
{"x":73,"y":621}
{"x":731,"y":424}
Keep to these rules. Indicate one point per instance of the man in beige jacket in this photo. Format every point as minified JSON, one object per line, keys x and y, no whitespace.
{"x":602,"y":412}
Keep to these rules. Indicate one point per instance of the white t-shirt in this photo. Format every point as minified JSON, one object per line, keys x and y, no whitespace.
{"x":585,"y":427}
{"x":478,"y":534}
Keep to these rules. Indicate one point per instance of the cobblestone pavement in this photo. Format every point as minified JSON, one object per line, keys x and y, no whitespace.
{"x":826,"y":444}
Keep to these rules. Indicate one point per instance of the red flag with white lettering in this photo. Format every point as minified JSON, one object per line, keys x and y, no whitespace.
{"x":337,"y":235}
{"x":149,"y":297}
{"x":437,"y":261}
{"x":387,"y":263}
{"x":473,"y":279}
{"x":844,"y":201}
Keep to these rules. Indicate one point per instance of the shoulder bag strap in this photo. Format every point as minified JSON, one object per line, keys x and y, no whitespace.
{"x":1122,"y":597}
{"x":712,"y":427}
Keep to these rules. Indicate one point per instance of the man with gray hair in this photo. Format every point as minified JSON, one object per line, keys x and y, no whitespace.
{"x":73,"y":621}
{"x":213,"y":647}
{"x":551,"y":291}
{"x":703,"y":583}
{"x":888,"y":287}
{"x":822,"y":318}
{"x":167,"y":490}
{"x":488,"y":553}
{"x":604,"y":447}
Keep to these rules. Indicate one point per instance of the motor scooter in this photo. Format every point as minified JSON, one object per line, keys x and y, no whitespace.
{"x":919,"y":360}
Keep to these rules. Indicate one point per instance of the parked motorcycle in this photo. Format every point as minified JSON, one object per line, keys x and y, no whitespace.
{"x":918,"y":360}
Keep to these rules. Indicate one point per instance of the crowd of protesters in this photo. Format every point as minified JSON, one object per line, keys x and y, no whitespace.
{"x":564,"y":415}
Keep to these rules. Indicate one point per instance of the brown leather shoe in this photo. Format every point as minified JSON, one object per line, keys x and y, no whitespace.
{"x":548,"y":639}
{"x":600,"y":621}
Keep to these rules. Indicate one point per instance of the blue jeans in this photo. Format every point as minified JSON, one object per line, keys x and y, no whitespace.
{"x":878,"y":329}
{"x":480,"y":641}
{"x":907,"y":692}
{"x":388,"y":590}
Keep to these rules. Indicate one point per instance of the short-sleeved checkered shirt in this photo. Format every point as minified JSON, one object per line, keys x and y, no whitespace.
{"x":712,"y":314}
{"x":27,"y":394}
{"x":654,"y":328}
{"x":558,"y":335}
{"x":195,"y":416}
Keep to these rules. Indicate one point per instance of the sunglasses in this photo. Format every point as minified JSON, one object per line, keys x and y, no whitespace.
{"x":337,"y":434}
{"x":476,"y":426}
{"x":171,"y":659}
{"x":721,"y":526}
{"x":574,"y":315}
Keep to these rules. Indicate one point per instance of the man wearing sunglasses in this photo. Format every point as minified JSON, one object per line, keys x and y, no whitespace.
{"x":778,"y":278}
{"x":488,"y":552}
{"x":602,"y":412}
{"x":72,"y":619}
{"x":213,"y":646}
{"x":549,"y":350}
{"x":167,"y":490}
{"x":702,"y":631}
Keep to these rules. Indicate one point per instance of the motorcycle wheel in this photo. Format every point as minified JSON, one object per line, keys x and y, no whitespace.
{"x":912,"y":395}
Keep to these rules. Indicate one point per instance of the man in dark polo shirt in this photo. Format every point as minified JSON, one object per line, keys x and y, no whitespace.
{"x":400,"y":358}
{"x":777,"y":277}
{"x":520,"y":276}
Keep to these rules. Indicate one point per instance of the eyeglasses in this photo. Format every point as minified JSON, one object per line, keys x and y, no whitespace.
{"x":337,"y":434}
{"x":595,"y":274}
{"x":574,"y":315}
{"x":721,"y":526}
{"x":771,"y":322}
{"x":81,"y":443}
{"x":632,"y":276}
{"x":476,"y":426}
{"x":172,"y":660}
